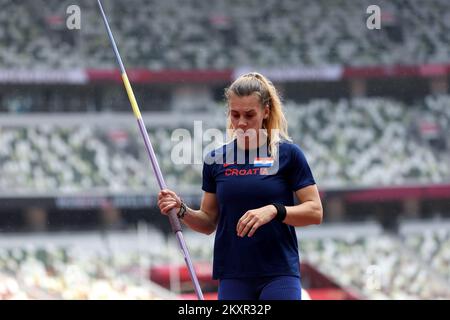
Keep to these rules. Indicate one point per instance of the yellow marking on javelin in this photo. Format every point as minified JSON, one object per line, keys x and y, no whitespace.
{"x":130,"y":93}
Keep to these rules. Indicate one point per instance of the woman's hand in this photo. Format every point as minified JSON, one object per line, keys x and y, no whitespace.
{"x":167,"y":200}
{"x":253,"y":219}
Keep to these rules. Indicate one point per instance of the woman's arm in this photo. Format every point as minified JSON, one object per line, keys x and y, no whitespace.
{"x":203,"y":220}
{"x":309,"y":211}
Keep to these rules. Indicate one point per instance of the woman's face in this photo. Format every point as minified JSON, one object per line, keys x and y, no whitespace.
{"x":247,"y":116}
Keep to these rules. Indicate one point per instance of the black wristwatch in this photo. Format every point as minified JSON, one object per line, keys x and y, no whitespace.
{"x":182,"y":210}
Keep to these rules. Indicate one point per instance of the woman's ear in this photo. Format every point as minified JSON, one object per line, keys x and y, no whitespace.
{"x":266,"y":111}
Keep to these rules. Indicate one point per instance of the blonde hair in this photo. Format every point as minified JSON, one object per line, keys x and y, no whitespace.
{"x":276,"y":123}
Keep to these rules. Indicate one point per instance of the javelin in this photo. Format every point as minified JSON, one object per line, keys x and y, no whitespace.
{"x":174,"y":222}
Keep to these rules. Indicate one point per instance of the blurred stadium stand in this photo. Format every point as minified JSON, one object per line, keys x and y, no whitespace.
{"x":378,"y":264}
{"x":370,"y":108}
{"x":80,"y":266}
{"x":195,"y":34}
{"x":362,"y":142}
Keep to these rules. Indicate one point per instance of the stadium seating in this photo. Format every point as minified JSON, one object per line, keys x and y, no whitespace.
{"x":360,"y":258}
{"x":80,"y":267}
{"x":371,"y":141}
{"x":196,"y":34}
{"x":10,"y":289}
{"x":377,"y":266}
{"x":357,"y":143}
{"x":432,"y":243}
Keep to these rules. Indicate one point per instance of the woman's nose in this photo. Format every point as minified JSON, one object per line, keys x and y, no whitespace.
{"x":242,"y":123}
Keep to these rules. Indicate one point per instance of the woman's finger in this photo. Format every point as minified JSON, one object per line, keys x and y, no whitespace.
{"x":165,"y":209}
{"x":240,"y":226}
{"x":241,"y":222}
{"x":166,"y":202}
{"x":255,"y":226}
{"x":245,"y":227}
{"x":169,"y":192}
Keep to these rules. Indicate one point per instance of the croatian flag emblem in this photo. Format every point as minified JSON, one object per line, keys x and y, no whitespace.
{"x":263,"y":162}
